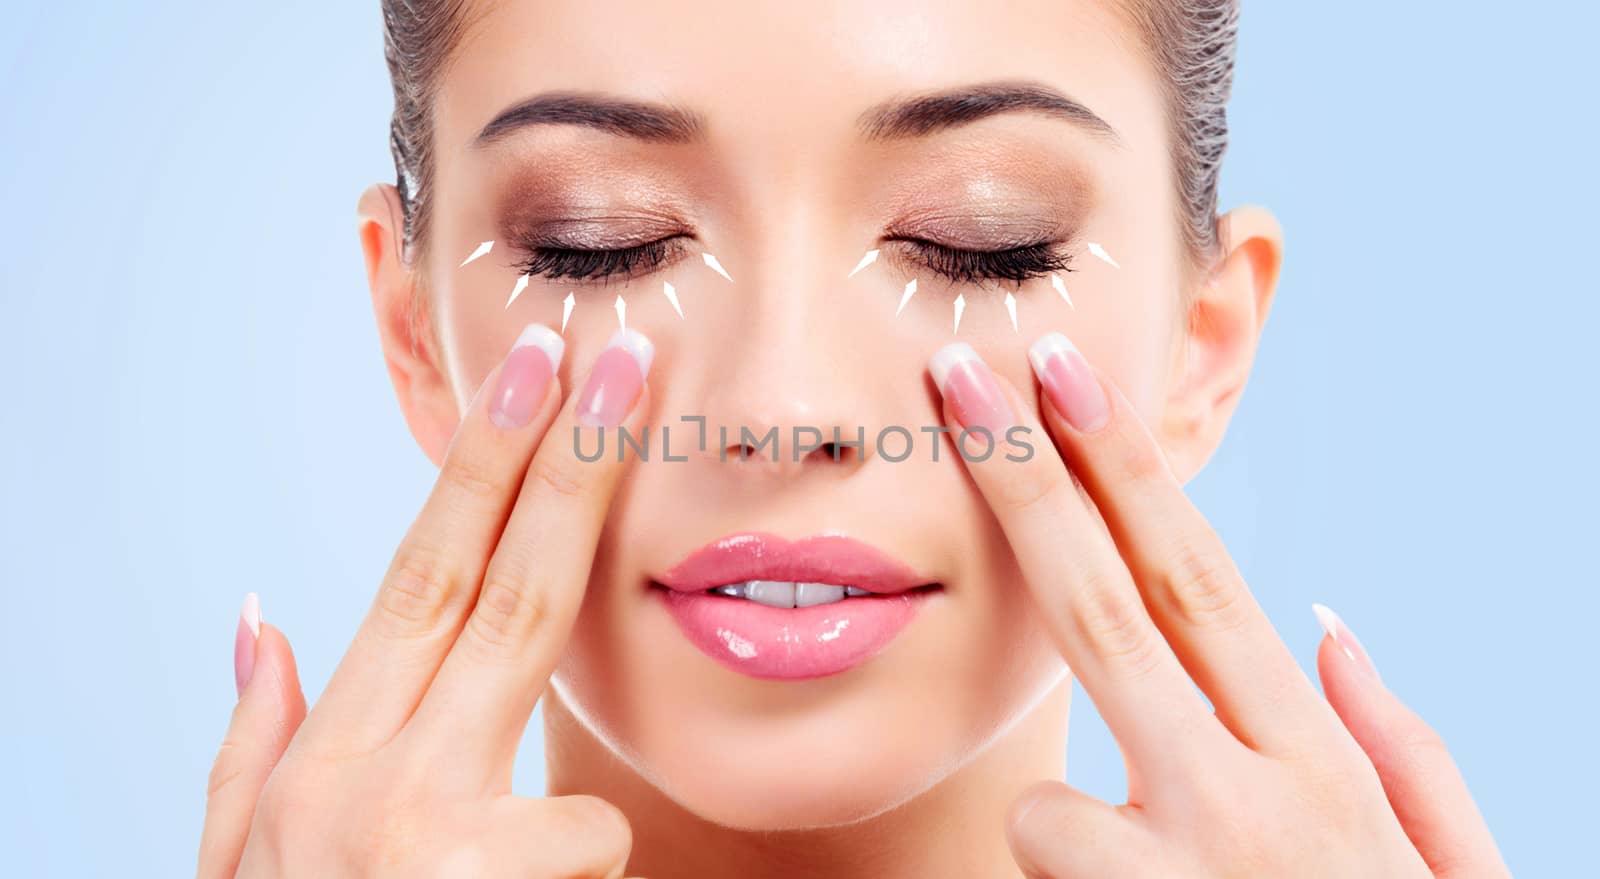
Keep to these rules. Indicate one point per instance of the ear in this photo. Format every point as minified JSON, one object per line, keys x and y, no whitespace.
{"x":1226,"y":314}
{"x":404,"y":327}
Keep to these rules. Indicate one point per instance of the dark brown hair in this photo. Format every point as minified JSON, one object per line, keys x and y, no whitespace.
{"x":419,"y":37}
{"x":1191,"y":42}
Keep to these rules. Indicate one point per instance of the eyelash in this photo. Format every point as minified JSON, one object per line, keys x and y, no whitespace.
{"x":581,"y":264}
{"x":1015,"y":264}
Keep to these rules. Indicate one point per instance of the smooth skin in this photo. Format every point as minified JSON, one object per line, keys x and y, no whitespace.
{"x":403,"y":768}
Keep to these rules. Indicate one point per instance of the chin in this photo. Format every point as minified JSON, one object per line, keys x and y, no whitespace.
{"x":769,"y":756}
{"x":772,"y":789}
{"x":774,"y":756}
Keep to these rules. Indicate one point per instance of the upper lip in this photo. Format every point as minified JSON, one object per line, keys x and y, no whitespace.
{"x":825,"y":558}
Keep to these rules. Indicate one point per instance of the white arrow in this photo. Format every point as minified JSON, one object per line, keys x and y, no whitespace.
{"x":1100,"y":252}
{"x":961,"y":305}
{"x":867,"y":260}
{"x":1055,"y":281}
{"x":715,"y":266}
{"x":911,"y":290}
{"x":483,"y":248}
{"x":522,"y":284}
{"x":1011,"y":308}
{"x":672,"y":296}
{"x":566,"y":310}
{"x":622,"y":312}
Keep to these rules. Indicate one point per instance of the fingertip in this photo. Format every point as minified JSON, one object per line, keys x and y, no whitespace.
{"x":1035,"y":823}
{"x":1345,"y":646}
{"x":277,"y":670}
{"x":1027,"y":803}
{"x":273,"y":646}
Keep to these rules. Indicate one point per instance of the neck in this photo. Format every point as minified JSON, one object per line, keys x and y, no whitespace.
{"x":956,"y":828}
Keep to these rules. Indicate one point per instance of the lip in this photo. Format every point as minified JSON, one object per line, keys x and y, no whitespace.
{"x":791,"y":643}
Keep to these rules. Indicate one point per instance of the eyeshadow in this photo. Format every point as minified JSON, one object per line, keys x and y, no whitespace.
{"x":583,"y":210}
{"x":990,"y":227}
{"x":984,"y":198}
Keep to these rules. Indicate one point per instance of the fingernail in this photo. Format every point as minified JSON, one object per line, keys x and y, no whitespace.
{"x":1069,"y":382}
{"x":244,"y":642}
{"x":1344,"y":639}
{"x":967,"y":383}
{"x":616,"y":379}
{"x":525,"y":376}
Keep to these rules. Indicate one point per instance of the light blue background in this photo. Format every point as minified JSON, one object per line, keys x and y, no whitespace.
{"x":195,"y":405}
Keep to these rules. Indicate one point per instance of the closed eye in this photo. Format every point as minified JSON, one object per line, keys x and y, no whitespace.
{"x":1014,"y":264}
{"x":590,"y":264}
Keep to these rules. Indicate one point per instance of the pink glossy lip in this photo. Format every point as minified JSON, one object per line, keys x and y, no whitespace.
{"x":791,"y":643}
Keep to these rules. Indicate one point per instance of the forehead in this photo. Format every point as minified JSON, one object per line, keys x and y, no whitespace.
{"x":799,"y":74}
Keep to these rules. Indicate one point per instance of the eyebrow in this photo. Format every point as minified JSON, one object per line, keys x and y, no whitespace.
{"x":658,"y":123}
{"x":901,"y":118}
{"x":922,"y":115}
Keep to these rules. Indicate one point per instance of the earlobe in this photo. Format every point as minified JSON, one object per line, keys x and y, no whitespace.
{"x":1226,"y":314}
{"x":403,"y":327}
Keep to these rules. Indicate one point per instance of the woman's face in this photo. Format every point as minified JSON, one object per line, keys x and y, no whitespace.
{"x":787,"y":141}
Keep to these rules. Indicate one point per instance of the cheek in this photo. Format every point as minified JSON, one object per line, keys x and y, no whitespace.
{"x":1122,"y":320}
{"x":478,"y":320}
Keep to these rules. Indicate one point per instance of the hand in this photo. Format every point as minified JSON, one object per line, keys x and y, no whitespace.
{"x":404,"y":765}
{"x":1144,"y":603}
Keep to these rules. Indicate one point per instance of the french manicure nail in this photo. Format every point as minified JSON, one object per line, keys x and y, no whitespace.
{"x":525,"y":376}
{"x":1344,"y":639}
{"x":968,"y":384}
{"x":616,"y":379}
{"x":1069,"y":382}
{"x":244,"y":642}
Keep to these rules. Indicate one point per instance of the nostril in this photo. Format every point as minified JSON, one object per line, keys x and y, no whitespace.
{"x":844,"y":453}
{"x":805,"y":446}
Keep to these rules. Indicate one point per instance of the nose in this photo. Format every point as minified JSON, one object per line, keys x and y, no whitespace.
{"x":789,"y":389}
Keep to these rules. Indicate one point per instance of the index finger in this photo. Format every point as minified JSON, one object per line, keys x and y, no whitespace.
{"x":496,"y":671}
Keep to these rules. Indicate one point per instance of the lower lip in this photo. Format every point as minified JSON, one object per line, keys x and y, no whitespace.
{"x":791,"y":643}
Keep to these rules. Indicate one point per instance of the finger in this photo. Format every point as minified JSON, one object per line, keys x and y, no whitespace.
{"x":1059,"y":832}
{"x":1192,"y":588}
{"x":269,"y":710}
{"x":498,"y":668}
{"x":1082,"y":587}
{"x":433,"y":579}
{"x":1424,"y":787}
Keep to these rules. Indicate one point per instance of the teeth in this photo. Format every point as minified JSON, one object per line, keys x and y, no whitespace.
{"x":778,"y":593}
{"x":808,"y":594}
{"x":774,"y":593}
